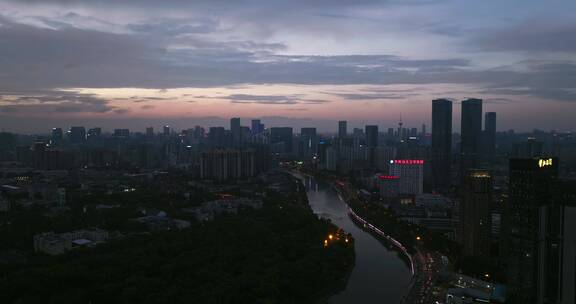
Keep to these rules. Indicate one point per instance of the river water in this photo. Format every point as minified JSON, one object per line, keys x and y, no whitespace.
{"x":380,"y":275}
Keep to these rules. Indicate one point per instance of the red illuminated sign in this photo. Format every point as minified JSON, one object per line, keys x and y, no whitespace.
{"x":387,"y":177}
{"x":407,"y":161}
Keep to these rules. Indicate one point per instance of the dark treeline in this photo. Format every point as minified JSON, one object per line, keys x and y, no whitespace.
{"x":273,"y":255}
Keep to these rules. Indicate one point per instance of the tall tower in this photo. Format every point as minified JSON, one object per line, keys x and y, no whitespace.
{"x":471,"y":134}
{"x":236,"y":131}
{"x":371,"y":143}
{"x":400,"y":128}
{"x":441,"y":143}
{"x":476,"y":213}
{"x":530,"y":189}
{"x":342,"y":129}
{"x":489,"y":142}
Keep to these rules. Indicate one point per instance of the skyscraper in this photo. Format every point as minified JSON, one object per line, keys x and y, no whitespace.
{"x":489,"y":143}
{"x":308,"y":143}
{"x":282,"y":136}
{"x":371,"y":143}
{"x":77,"y":135}
{"x":476,"y":213}
{"x":236,"y":131}
{"x":530,"y":188}
{"x":150,"y":132}
{"x":57,"y":136}
{"x":257,"y":126}
{"x":471,"y":134}
{"x":410,"y":173}
{"x":94,"y":133}
{"x":342,"y":129}
{"x":441,"y":143}
{"x":166,"y":130}
{"x":557,"y":248}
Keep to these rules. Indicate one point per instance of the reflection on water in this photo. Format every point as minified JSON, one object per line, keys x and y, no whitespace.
{"x":379,"y":276}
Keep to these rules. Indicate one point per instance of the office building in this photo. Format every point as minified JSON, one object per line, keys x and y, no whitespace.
{"x":470,"y":134}
{"x":94,"y":134}
{"x":342,"y":129}
{"x":388,"y":186}
{"x":166,"y":130}
{"x":282,"y":138}
{"x":308,"y":143}
{"x":489,"y":142}
{"x":441,"y":144}
{"x":77,"y":135}
{"x":530,"y":188}
{"x":410,"y":173}
{"x":57,"y":136}
{"x":217,"y":137}
{"x":371,"y":144}
{"x":528,"y":149}
{"x":476,"y":213}
{"x":121,"y":133}
{"x":235,"y":128}
{"x":257,"y":127}
{"x":556,"y":278}
{"x":150,"y":132}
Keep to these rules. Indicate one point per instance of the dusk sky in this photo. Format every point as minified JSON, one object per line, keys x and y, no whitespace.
{"x":135,"y":63}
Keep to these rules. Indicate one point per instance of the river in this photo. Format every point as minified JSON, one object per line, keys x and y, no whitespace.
{"x":380,"y":275}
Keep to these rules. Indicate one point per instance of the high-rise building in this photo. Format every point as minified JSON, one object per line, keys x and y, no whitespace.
{"x":371,"y":144}
{"x":308,"y":143}
{"x":217,"y":137}
{"x":77,"y":135}
{"x":166,"y":130}
{"x":235,"y":128}
{"x":476,"y":213}
{"x":531,"y":187}
{"x":223,"y":165}
{"x":471,"y":134}
{"x":390,"y":133}
{"x":556,"y":279}
{"x":282,"y":136}
{"x":489,"y":142}
{"x":257,"y":126}
{"x":528,"y":149}
{"x":410,"y":173}
{"x":441,"y":143}
{"x":57,"y":136}
{"x":121,"y":133}
{"x":342,"y":129}
{"x":388,"y":186}
{"x":94,"y":134}
{"x":150,"y":132}
{"x":358,"y":133}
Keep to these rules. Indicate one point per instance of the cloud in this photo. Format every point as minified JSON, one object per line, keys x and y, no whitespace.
{"x":531,"y":36}
{"x":261,"y":99}
{"x":360,"y":96}
{"x":55,"y":102}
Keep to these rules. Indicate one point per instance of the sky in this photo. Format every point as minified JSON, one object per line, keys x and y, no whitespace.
{"x":135,"y":63}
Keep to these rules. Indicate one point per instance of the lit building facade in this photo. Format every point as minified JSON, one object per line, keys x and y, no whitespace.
{"x":476,"y":213}
{"x":410,"y":173}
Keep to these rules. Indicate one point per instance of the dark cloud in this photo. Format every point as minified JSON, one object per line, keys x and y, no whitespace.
{"x":358,"y":96}
{"x":261,"y":99}
{"x":533,"y":36}
{"x":45,"y":59}
{"x":55,"y":102}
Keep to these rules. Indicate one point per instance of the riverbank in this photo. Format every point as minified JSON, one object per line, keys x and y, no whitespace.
{"x":378,"y":263}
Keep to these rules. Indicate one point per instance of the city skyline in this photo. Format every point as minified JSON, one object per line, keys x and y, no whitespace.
{"x":143,"y":63}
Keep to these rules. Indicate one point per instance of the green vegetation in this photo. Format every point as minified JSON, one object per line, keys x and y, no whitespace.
{"x":272,"y":255}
